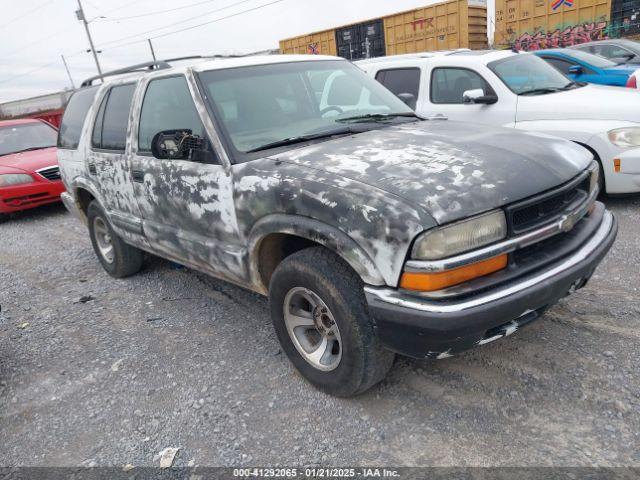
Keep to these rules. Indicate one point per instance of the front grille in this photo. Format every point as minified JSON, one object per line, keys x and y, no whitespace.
{"x":50,"y":173}
{"x":547,"y":207}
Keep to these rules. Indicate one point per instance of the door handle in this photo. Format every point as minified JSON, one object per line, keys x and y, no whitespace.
{"x":138,"y":176}
{"x":438,"y":116}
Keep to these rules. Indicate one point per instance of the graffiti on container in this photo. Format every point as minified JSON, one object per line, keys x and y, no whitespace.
{"x":313,"y":49}
{"x":556,"y":4}
{"x":565,"y":37}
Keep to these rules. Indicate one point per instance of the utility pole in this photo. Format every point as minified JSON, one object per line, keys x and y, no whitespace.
{"x":81,"y":16}
{"x":153,"y":54}
{"x":66,"y":67}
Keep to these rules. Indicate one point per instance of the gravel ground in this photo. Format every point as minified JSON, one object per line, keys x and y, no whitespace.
{"x":173,"y":358}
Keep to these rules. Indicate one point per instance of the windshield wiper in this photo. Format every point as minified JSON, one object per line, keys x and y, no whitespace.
{"x":542,"y":91}
{"x":303,"y":138}
{"x":376,"y":117}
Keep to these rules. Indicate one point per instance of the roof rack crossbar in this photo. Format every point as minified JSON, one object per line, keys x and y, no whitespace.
{"x":146,"y":66}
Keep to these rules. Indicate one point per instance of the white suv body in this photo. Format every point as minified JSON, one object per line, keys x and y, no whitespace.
{"x":605,"y":120}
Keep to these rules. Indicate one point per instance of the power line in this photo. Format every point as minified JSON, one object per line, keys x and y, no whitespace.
{"x":158,"y":12}
{"x":28,"y":12}
{"x":40,"y":40}
{"x":37,"y":69}
{"x":111,"y":42}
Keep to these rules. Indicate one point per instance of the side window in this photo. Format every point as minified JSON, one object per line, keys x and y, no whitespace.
{"x":74,"y":117}
{"x":559,"y":64}
{"x":612,"y":51}
{"x":96,"y":135}
{"x":401,"y":80}
{"x":115,"y":118}
{"x":168,"y":105}
{"x":449,"y":84}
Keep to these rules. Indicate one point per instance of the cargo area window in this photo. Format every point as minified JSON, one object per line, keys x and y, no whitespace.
{"x":112,"y":120}
{"x":74,"y":118}
{"x":168,"y":105}
{"x":401,"y":80}
{"x":449,"y":84}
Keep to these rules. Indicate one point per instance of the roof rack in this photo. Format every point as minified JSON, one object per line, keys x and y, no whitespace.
{"x":148,"y":66}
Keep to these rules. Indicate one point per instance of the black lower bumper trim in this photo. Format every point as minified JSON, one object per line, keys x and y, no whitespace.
{"x":419,"y":333}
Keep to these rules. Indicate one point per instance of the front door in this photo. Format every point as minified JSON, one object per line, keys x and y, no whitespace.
{"x":446,"y":89}
{"x":186,"y":205}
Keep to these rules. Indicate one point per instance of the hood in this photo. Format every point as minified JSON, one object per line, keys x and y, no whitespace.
{"x":30,"y":161}
{"x":450,"y":169}
{"x":591,"y":102}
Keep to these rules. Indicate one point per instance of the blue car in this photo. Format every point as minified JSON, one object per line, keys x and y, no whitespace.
{"x":586,"y":67}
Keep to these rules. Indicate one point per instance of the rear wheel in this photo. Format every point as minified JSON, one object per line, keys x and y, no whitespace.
{"x":320,"y":316}
{"x":117,"y":257}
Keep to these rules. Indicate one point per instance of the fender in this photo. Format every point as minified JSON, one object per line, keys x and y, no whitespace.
{"x":319,"y":232}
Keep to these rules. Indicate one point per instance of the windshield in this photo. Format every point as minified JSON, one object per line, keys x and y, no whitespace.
{"x":26,"y":136}
{"x":592,"y":59}
{"x":269,"y":105}
{"x":526,"y":73}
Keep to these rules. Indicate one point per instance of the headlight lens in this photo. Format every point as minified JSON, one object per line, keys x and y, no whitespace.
{"x":461,"y":237}
{"x":625,"y":137}
{"x":14,"y":179}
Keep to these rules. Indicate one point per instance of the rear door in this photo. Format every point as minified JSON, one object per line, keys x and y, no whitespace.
{"x":186,"y":205}
{"x":109,"y":158}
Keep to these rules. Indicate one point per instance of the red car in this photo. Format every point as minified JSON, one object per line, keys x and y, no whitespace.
{"x":29,"y":173}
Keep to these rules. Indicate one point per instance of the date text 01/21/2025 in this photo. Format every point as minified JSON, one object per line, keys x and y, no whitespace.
{"x":316,"y":472}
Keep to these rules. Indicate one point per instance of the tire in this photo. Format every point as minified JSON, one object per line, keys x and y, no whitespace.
{"x":4,"y":217}
{"x":122,"y":260}
{"x":315,"y":281}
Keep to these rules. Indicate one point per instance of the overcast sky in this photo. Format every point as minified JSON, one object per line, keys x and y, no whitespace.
{"x":35,"y":33}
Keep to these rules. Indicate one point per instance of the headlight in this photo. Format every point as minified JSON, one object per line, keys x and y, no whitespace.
{"x":461,"y":237}
{"x":625,"y":137}
{"x":14,"y":179}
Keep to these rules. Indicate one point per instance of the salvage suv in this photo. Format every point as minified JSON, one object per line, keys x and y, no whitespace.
{"x":371,"y":230}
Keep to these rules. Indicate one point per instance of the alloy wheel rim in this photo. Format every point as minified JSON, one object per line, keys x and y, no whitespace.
{"x":103,"y":239}
{"x":312,"y":329}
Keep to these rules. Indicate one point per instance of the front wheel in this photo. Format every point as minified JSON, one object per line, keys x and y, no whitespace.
{"x":117,"y":257}
{"x":320,"y":316}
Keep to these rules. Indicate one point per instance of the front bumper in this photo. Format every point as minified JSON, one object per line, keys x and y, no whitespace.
{"x":30,"y":195}
{"x":422,"y":328}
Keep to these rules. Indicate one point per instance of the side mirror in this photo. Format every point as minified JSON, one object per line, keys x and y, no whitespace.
{"x":409,"y":99}
{"x":575,"y":70}
{"x":477,"y":96}
{"x":175,"y":144}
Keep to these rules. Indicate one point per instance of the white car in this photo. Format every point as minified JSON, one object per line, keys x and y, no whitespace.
{"x":522,"y":91}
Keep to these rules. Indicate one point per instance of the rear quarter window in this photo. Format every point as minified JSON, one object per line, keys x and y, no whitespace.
{"x":74,"y":116}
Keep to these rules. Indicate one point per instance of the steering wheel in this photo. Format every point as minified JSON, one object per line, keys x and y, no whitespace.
{"x":331,"y":108}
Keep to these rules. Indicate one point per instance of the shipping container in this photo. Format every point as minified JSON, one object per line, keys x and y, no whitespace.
{"x":439,"y":26}
{"x":319,"y":43}
{"x":443,"y":26}
{"x":625,"y":18}
{"x":538,"y":24}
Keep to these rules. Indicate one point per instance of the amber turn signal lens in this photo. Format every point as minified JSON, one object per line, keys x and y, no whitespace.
{"x":617,"y":165}
{"x":429,"y":282}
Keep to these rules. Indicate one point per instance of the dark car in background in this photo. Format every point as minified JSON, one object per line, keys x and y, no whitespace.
{"x":618,"y":51}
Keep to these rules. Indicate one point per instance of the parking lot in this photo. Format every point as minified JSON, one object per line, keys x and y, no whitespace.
{"x":98,"y":371}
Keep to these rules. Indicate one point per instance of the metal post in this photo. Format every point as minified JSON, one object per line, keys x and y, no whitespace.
{"x":81,"y":16}
{"x":153,"y":54}
{"x":66,"y":67}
